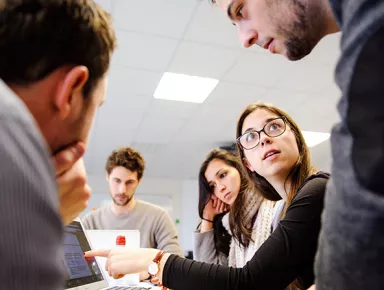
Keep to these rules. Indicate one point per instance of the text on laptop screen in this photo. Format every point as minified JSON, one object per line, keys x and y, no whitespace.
{"x":80,"y":271}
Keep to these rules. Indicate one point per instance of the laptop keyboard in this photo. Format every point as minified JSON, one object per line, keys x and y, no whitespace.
{"x":127,"y":288}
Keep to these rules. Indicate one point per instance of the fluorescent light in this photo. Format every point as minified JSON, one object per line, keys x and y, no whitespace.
{"x":184,"y":88}
{"x":315,"y":138}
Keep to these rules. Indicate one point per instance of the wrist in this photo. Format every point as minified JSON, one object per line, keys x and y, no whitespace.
{"x":154,"y":266}
{"x":208,"y":217}
{"x":207,"y":220}
{"x":156,"y":262}
{"x":163,"y":261}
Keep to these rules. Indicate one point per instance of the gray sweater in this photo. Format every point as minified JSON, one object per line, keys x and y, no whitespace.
{"x":154,"y":223}
{"x":205,"y":251}
{"x":351,"y":244}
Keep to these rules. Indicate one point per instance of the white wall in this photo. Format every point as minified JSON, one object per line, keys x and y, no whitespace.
{"x":182,"y":194}
{"x":189,"y":213}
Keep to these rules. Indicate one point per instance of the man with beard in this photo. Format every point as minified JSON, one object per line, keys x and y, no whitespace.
{"x":351,"y":244}
{"x":124,"y":170}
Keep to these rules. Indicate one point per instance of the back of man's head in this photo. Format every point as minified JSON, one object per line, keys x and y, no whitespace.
{"x":39,"y":36}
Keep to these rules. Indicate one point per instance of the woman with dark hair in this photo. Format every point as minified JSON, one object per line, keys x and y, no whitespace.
{"x":276,"y":158}
{"x":229,"y":238}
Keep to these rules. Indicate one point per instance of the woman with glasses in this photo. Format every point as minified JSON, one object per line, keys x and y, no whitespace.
{"x":277,"y":161}
{"x":229,"y":238}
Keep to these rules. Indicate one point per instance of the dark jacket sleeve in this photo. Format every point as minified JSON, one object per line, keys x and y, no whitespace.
{"x":288,"y":253}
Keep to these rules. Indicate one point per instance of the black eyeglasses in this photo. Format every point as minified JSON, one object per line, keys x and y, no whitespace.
{"x":273,"y":128}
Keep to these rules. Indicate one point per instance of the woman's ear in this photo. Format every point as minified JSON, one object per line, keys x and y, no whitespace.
{"x":248,"y":165}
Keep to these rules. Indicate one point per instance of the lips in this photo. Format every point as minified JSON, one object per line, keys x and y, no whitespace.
{"x":270,"y":153}
{"x":227,"y":195}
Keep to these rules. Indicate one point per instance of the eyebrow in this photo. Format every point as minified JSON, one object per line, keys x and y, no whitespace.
{"x":265,"y":122}
{"x":230,"y":11}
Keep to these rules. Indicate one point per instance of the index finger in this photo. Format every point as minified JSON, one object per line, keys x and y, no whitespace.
{"x":97,"y":253}
{"x":67,"y":157}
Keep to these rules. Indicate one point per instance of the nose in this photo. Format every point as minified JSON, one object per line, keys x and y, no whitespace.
{"x":122,"y":188}
{"x":247,"y":35}
{"x":265,"y":139}
{"x":221,"y":187}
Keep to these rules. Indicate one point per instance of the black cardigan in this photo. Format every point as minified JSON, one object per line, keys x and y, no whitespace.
{"x":288,"y":254}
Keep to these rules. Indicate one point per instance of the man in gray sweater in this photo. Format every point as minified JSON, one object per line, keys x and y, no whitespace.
{"x":125,"y":169}
{"x":351,"y":245}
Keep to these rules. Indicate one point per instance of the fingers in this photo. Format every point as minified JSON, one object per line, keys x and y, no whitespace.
{"x":115,"y":268}
{"x":222,"y":207}
{"x":73,"y":192}
{"x":71,"y":208}
{"x":155,"y":280}
{"x":214,"y":201}
{"x":67,"y":157}
{"x":98,"y":253}
{"x":74,"y":177}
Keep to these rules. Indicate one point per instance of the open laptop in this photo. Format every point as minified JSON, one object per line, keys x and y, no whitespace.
{"x":83,"y":274}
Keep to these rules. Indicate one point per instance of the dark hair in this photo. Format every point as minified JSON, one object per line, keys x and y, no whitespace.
{"x":299,"y":172}
{"x":241,"y":232}
{"x":128,"y":158}
{"x":39,"y":36}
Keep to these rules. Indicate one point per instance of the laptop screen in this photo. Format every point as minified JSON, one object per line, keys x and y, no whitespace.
{"x":80,"y":271}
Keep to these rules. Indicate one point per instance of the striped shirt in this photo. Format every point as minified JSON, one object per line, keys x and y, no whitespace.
{"x":30,"y":226}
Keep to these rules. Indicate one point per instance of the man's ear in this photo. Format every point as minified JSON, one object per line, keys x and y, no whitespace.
{"x":248,"y":165}
{"x":73,"y":82}
{"x":106,"y":176}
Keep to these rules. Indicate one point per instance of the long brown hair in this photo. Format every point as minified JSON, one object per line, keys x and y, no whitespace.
{"x":297,"y":175}
{"x":241,"y":232}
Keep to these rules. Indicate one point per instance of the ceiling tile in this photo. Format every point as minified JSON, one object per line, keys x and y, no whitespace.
{"x":125,"y":81}
{"x":145,"y":52}
{"x":208,"y":125}
{"x":124,"y":104}
{"x":210,"y":25}
{"x":158,"y":130}
{"x":316,"y":113}
{"x":307,"y":76}
{"x":171,"y":109}
{"x":196,"y":59}
{"x":167,"y":18}
{"x":288,"y":100}
{"x":258,"y":68}
{"x":235,"y":96}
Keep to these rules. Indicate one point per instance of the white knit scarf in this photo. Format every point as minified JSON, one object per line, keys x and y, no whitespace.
{"x":254,"y":204}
